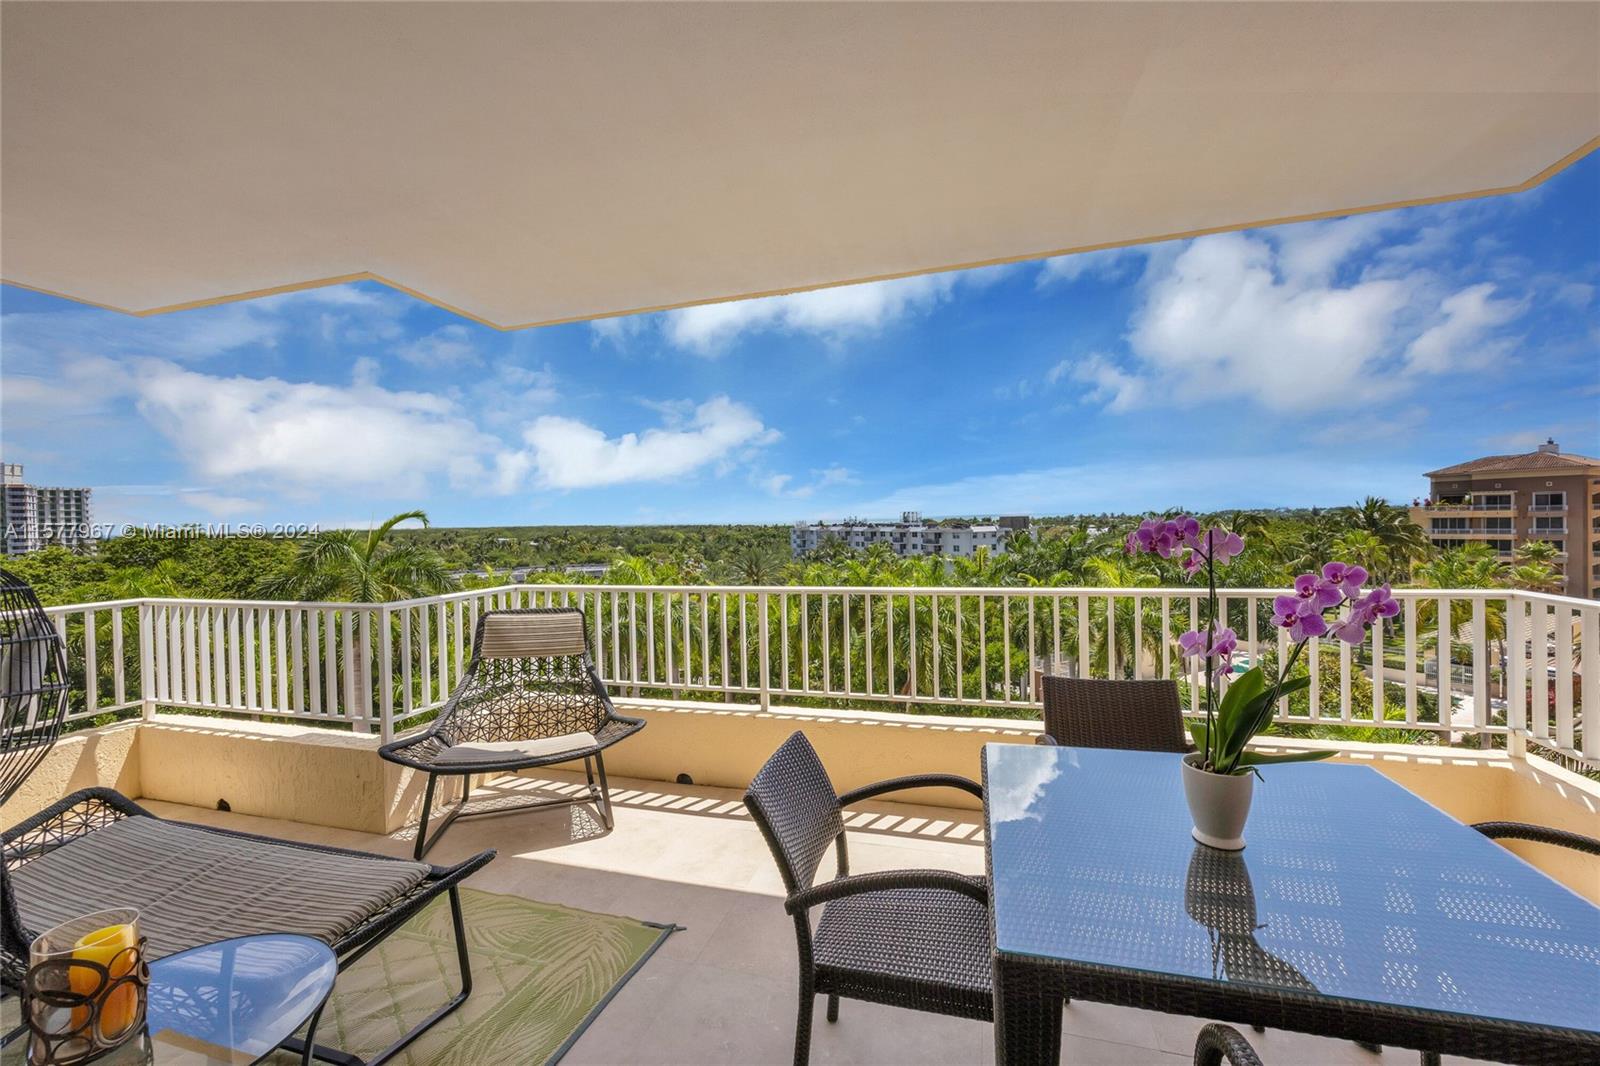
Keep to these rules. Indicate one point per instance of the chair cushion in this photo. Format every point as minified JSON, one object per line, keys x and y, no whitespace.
{"x":513,"y":751}
{"x":193,"y":886}
{"x":930,"y":936}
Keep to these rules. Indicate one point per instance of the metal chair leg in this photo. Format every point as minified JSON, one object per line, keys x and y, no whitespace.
{"x":427,"y":808}
{"x":605,"y":791}
{"x":833,"y":1007}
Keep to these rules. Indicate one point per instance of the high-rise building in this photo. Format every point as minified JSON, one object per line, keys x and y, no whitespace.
{"x":910,"y":536}
{"x":1508,"y":500}
{"x":38,"y":516}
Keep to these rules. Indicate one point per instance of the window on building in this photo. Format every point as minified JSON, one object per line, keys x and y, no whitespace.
{"x":1549,"y":500}
{"x":1493,"y":500}
{"x":1497,"y":525}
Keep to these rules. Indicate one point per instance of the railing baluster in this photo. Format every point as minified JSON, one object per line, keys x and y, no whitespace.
{"x":911,"y":645}
{"x":1412,"y":665}
{"x":1376,"y":651}
{"x":1589,"y":742}
{"x":1564,"y":676}
{"x":722,"y":614}
{"x":330,"y":664}
{"x":1083,"y":636}
{"x":1480,"y":662}
{"x":983,"y":648}
{"x":119,"y":670}
{"x":844,"y":640}
{"x":867,"y":643}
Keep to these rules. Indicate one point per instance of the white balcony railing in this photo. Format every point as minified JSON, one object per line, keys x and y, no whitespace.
{"x":1497,"y":662}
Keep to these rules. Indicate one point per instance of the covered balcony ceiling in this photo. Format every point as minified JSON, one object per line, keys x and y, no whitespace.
{"x":536,"y":163}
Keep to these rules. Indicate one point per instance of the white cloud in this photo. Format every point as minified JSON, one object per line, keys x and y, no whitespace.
{"x":1311,"y":252}
{"x":1118,"y":390}
{"x":1110,"y":264}
{"x":183,"y":335}
{"x":1220,"y":323}
{"x":565,"y":453}
{"x":448,"y":346}
{"x":778,"y":484}
{"x":1461,"y":337}
{"x":835,"y":315}
{"x":220,"y":504}
{"x":308,"y":435}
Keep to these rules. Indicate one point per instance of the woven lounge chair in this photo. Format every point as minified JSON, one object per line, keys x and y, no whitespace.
{"x":530,"y":697}
{"x":192,"y":884}
{"x":906,"y":938}
{"x":1091,"y":713}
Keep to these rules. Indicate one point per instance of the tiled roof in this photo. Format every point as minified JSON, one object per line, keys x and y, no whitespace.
{"x":1516,"y":463}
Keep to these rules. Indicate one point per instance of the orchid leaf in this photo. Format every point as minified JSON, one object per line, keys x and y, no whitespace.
{"x":1258,"y":758}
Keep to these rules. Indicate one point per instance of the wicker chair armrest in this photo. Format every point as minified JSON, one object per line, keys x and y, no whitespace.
{"x":1539,"y":834}
{"x":1045,"y":740}
{"x":897,"y":784}
{"x":66,"y":820}
{"x":1218,"y":1042}
{"x":974,"y":888}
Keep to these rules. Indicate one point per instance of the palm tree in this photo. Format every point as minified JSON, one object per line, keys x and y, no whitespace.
{"x":354,"y":567}
{"x":1403,"y":541}
{"x":350,"y":566}
{"x":755,"y":563}
{"x":1536,"y":551}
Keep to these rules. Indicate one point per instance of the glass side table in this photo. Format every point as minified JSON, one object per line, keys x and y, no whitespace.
{"x":233,"y":1002}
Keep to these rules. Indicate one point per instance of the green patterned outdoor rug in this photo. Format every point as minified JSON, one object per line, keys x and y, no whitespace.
{"x":540,"y":974}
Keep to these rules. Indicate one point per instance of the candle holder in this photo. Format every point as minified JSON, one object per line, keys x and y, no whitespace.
{"x":85,"y":989}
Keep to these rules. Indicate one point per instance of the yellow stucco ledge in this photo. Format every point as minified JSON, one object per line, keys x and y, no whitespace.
{"x":332,"y":778}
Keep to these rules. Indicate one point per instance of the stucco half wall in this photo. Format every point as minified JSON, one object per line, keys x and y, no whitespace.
{"x":336,"y":779}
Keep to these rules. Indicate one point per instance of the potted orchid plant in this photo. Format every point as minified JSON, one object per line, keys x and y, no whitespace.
{"x":1218,"y":777}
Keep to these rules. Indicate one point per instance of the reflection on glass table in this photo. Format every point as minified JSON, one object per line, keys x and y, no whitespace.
{"x":231,"y":1003}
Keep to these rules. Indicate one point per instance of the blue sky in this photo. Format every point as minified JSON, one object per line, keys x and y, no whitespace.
{"x":1298,"y":365}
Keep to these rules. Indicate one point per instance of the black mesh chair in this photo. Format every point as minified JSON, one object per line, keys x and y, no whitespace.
{"x":530,"y":697}
{"x":33,"y":684}
{"x":1092,"y":713}
{"x":1223,"y":1042}
{"x":906,"y":938}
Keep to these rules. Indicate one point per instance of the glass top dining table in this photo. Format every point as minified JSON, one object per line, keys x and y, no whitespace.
{"x":1356,"y":910}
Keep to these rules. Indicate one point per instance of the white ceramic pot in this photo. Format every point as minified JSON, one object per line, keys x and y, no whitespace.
{"x":1218,"y":803}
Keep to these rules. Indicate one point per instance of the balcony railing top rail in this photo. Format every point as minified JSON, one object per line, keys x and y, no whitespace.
{"x":1454,"y":664}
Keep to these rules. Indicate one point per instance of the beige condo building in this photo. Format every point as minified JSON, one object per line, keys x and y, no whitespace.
{"x":1508,"y":500}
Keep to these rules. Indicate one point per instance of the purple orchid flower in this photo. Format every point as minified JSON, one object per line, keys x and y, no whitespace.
{"x":1381,"y":602}
{"x":1316,"y":593}
{"x":1219,"y":543}
{"x":1345,"y":577}
{"x":1193,"y":645}
{"x":1300,"y":614}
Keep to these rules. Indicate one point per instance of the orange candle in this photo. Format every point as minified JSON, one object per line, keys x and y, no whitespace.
{"x":119,"y":1006}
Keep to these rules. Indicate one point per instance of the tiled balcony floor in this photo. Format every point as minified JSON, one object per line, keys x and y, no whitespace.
{"x":723,"y":991}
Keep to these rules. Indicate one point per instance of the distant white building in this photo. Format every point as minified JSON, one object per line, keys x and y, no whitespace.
{"x":36,"y":516}
{"x":911,"y":536}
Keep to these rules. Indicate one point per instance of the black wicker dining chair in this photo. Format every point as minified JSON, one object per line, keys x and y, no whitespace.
{"x":1096,"y":713}
{"x":33,"y":683}
{"x":530,"y":696}
{"x":905,"y":938}
{"x":1217,"y":1043}
{"x":1539,"y":834}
